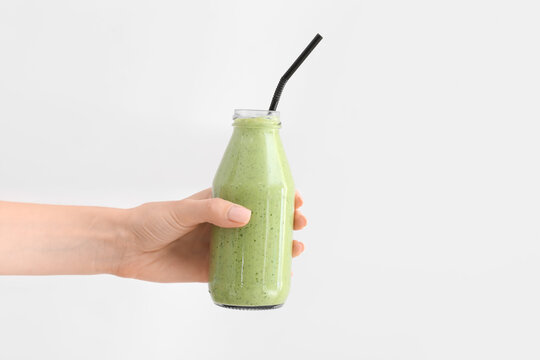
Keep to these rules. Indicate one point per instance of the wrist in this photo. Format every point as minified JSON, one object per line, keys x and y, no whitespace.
{"x":113,"y":241}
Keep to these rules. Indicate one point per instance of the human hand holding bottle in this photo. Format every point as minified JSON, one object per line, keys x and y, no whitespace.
{"x":161,"y":241}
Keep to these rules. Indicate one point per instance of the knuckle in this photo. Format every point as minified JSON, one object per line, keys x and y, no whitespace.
{"x":213,"y":205}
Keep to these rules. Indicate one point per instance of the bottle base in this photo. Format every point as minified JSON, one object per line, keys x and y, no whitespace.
{"x":239,"y":307}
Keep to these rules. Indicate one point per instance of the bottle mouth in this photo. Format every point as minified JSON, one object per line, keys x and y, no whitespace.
{"x":256,"y":118}
{"x":250,"y":113}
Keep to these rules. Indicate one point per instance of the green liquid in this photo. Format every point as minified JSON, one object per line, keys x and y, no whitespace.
{"x":251,"y":266}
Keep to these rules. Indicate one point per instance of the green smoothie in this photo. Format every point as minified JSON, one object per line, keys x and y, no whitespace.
{"x":251,"y":266}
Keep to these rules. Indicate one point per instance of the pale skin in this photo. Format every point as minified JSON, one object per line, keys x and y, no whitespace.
{"x":159,"y":241}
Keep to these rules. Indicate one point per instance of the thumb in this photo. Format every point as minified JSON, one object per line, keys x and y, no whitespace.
{"x":222,"y":213}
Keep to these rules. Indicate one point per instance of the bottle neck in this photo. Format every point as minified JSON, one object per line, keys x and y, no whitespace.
{"x":256,"y":119}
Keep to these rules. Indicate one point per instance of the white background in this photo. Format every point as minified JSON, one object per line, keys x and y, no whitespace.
{"x":412,"y":132}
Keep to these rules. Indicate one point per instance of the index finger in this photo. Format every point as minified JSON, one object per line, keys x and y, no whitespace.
{"x":201,"y":195}
{"x":298,"y":201}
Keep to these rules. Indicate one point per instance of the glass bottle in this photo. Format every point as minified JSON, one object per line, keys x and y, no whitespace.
{"x":250,"y":267}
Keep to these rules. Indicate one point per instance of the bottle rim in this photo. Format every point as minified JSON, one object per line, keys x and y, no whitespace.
{"x":253,"y":113}
{"x":248,"y":118}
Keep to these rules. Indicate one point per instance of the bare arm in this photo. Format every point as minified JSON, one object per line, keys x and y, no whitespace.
{"x":53,"y":239}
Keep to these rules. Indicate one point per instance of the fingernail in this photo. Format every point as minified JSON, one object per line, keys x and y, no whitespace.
{"x":239,"y":214}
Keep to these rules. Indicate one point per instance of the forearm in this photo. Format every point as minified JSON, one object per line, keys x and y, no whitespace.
{"x":54,"y":239}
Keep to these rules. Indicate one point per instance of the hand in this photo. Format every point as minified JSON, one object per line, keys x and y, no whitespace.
{"x":170,"y":241}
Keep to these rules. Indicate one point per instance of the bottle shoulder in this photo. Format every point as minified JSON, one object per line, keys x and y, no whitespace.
{"x":256,"y":166}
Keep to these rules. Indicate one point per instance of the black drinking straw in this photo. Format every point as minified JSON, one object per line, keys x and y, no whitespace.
{"x":292,"y":69}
